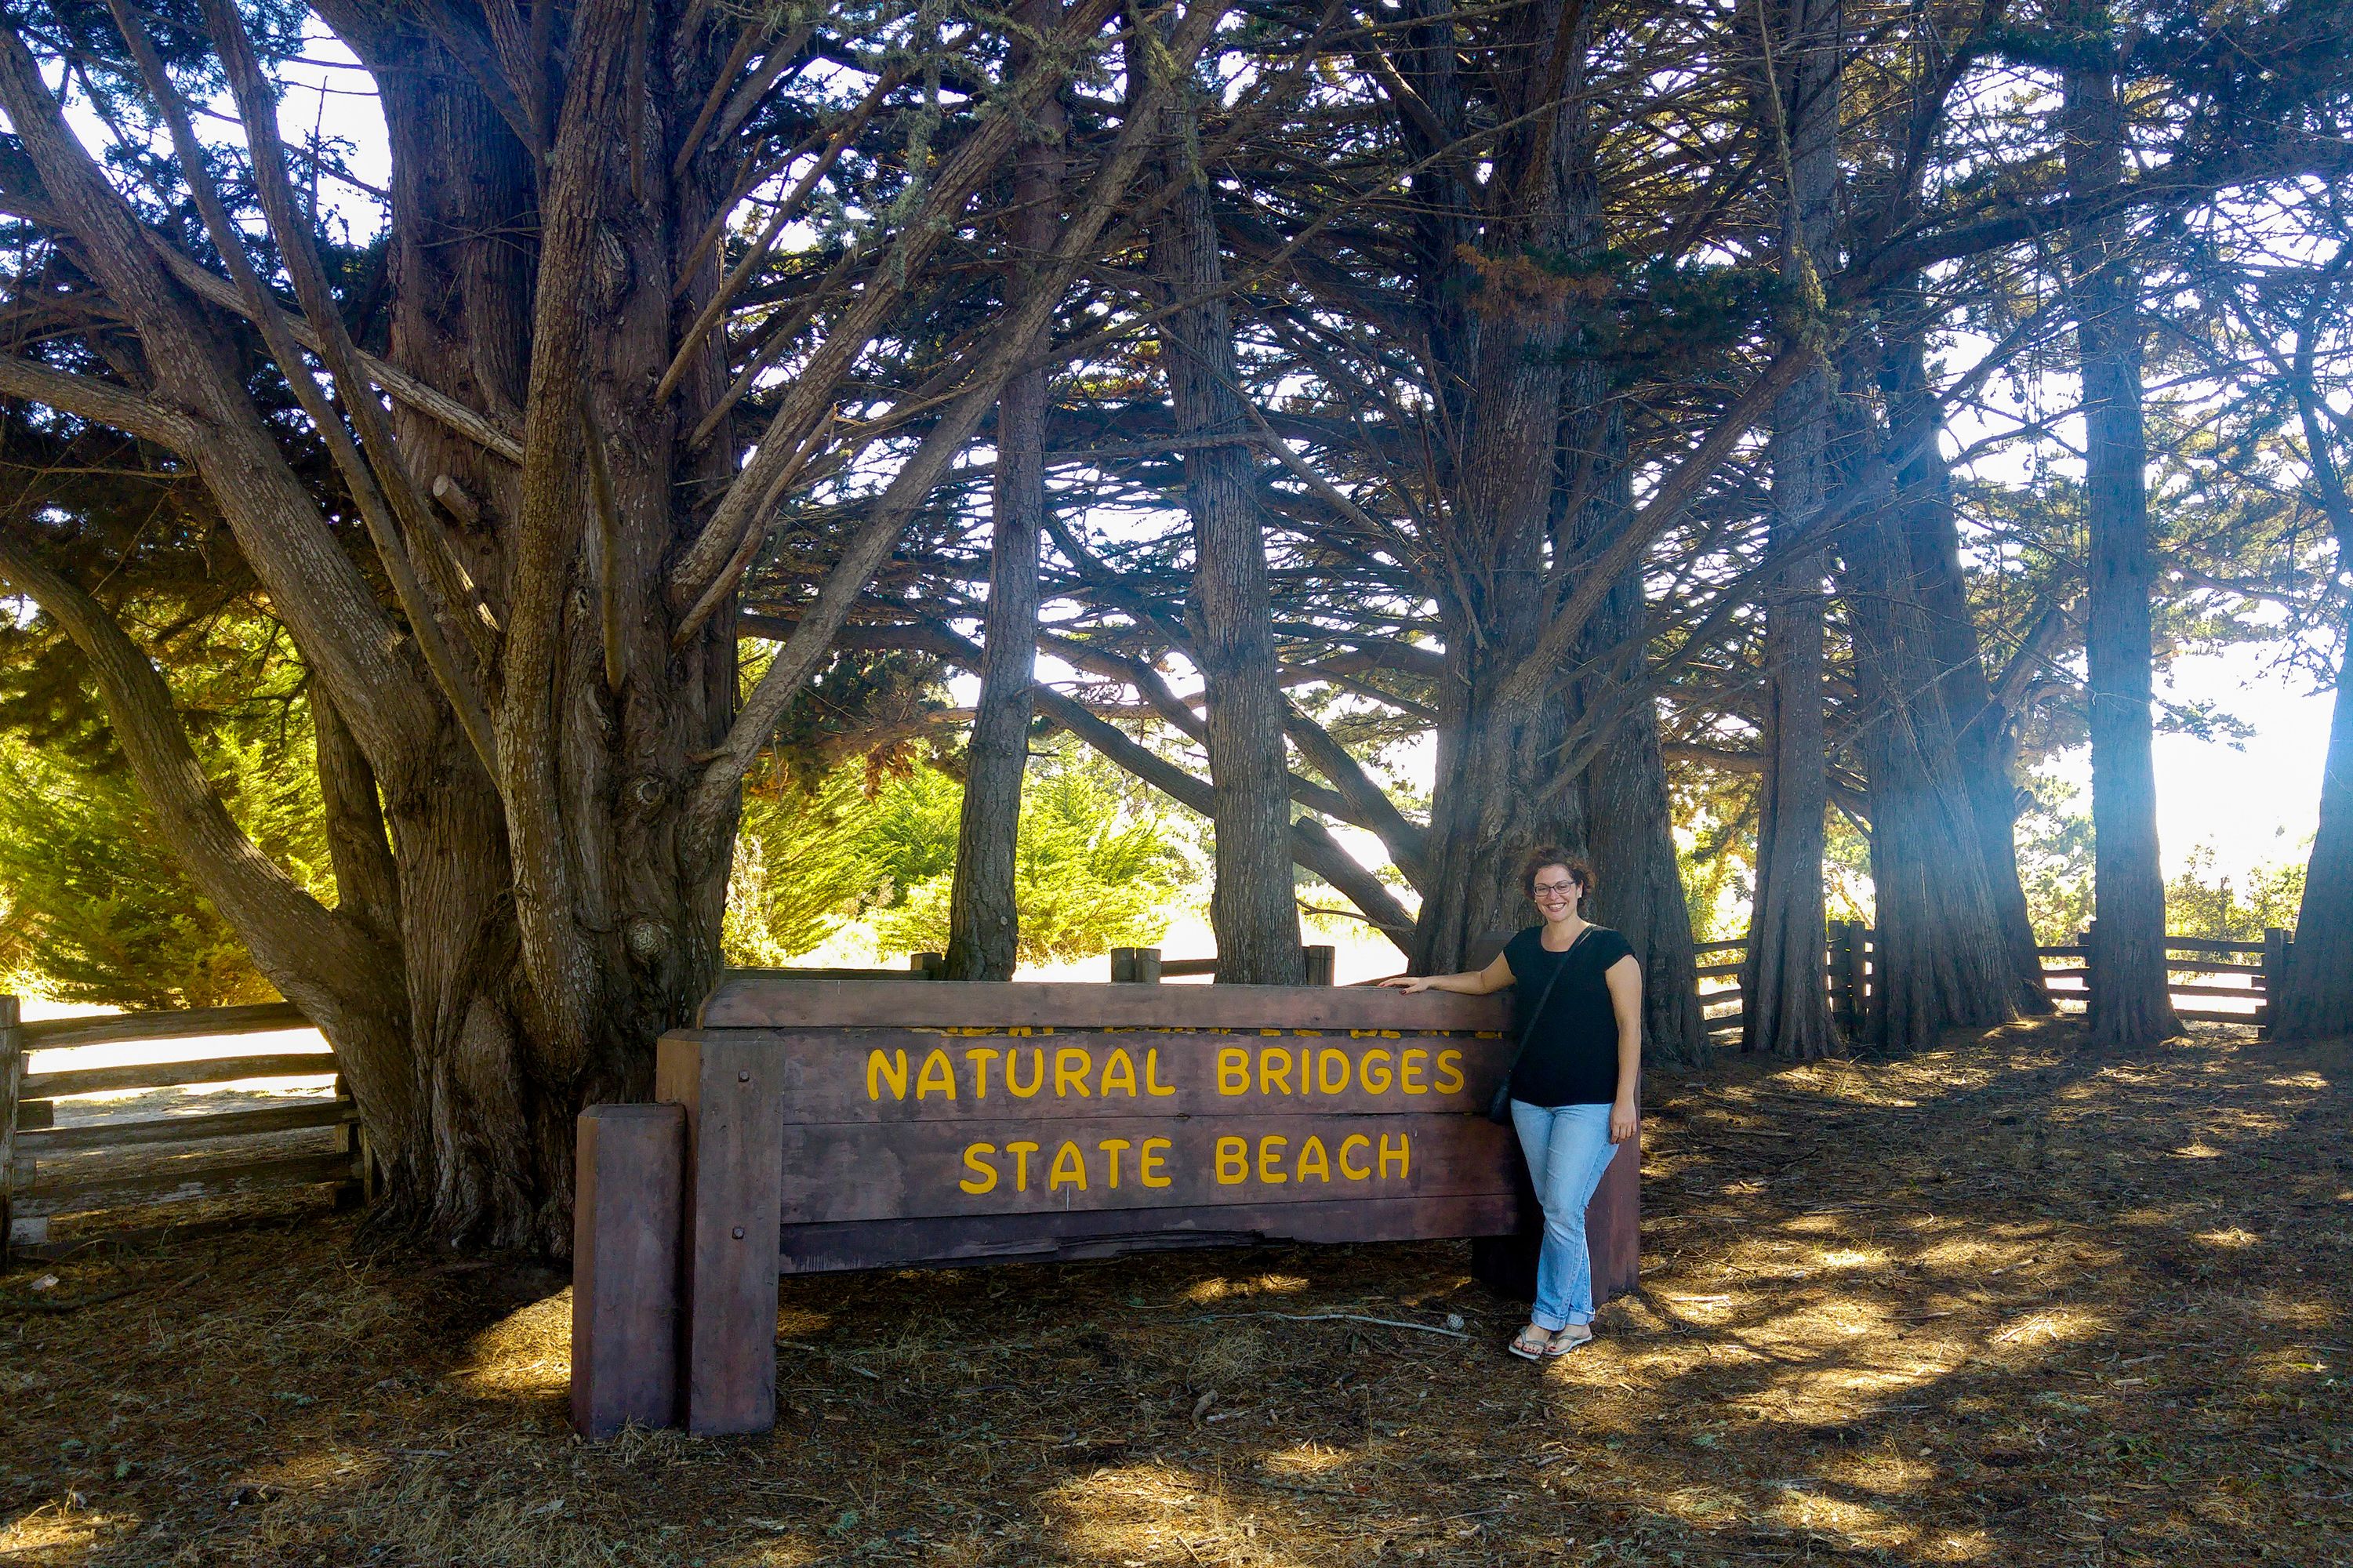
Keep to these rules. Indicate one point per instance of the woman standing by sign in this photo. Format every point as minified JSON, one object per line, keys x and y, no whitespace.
{"x":1572,"y":1088}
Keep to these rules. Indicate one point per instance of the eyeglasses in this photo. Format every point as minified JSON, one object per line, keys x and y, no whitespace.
{"x":1545,"y":890}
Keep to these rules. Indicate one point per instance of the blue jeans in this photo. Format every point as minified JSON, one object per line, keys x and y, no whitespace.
{"x":1567,"y":1147}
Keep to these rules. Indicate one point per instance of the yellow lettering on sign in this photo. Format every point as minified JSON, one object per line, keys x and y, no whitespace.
{"x":1152,"y":1084}
{"x":1410,"y":1072}
{"x":1354,"y":1173}
{"x":1233,"y":1071}
{"x":1147,"y":1161}
{"x":1399,"y":1154}
{"x":980,"y":1061}
{"x":943,"y":1079}
{"x":1071,"y":1065}
{"x":1233,"y":1161}
{"x":1273,"y":1072}
{"x":1331,"y":1072}
{"x":1273,"y":1144}
{"x":1375,"y":1061}
{"x":1070,"y":1170}
{"x":1118,"y":1073}
{"x":1313,"y":1161}
{"x":1037,"y":1073}
{"x":881,"y":1070}
{"x":975,"y":1161}
{"x":1450,"y":1072}
{"x":1111,"y":1148}
{"x":1021,"y":1152}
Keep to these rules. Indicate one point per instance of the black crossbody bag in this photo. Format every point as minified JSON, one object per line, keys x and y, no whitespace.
{"x":1499,"y":1109}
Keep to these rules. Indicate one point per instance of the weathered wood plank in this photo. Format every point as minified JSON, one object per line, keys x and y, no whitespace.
{"x":909,"y":1075}
{"x":1069,"y":1236}
{"x":2244,"y":993}
{"x":56,"y":1034}
{"x":627,"y":1213}
{"x":2205,"y":1015}
{"x":194,"y":1179}
{"x":173,"y":1075}
{"x":185,"y":1129}
{"x":924,"y":1169}
{"x":1613,"y":1223}
{"x":763,"y":1001}
{"x":733,"y":1166}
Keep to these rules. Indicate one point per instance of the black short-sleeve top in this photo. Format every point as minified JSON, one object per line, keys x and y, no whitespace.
{"x":1572,"y":1051}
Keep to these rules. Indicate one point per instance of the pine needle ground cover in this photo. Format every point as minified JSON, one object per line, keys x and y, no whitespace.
{"x":2004,"y":1302}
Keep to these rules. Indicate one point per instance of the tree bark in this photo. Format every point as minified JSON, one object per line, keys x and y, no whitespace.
{"x":2314,"y":1000}
{"x":1500,"y":335}
{"x":1984,"y":735}
{"x":2132,"y":1006}
{"x":1628,"y":816}
{"x":1939,"y":957}
{"x":1785,"y":979}
{"x":983,"y":916}
{"x":1252,"y":907}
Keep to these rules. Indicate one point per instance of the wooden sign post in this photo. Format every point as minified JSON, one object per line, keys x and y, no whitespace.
{"x":863,"y":1124}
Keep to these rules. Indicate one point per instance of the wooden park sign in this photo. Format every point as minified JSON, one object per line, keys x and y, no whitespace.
{"x":840,"y":1124}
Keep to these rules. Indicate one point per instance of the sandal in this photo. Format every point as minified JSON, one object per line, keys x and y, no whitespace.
{"x":1574,"y":1336}
{"x":1531,"y":1343}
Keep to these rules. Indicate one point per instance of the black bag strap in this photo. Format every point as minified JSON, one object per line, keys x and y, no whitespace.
{"x":1528,"y":1030}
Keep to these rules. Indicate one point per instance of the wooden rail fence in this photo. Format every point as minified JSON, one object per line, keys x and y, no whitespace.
{"x":2206,"y":970}
{"x":46,"y":1169}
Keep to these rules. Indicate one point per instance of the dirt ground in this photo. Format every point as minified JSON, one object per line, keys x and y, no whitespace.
{"x":2006,"y":1302}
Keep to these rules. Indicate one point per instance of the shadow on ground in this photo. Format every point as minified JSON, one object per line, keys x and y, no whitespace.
{"x":2006,"y":1302}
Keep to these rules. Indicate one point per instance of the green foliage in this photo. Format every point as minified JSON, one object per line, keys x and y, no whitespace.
{"x":2228,"y":909}
{"x":1094,"y":869}
{"x":2054,"y":859}
{"x":99,"y":912}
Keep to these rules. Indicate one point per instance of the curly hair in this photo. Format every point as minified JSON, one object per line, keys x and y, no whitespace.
{"x":1545,"y":855}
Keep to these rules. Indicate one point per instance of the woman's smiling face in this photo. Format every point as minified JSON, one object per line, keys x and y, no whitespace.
{"x":1556,"y":890}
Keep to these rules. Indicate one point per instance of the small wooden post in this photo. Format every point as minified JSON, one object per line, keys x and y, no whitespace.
{"x":354,"y":1190}
{"x":12,"y":1078}
{"x":1147,"y":966}
{"x":626,"y":1227}
{"x":1846,"y":1007}
{"x":1320,"y":964}
{"x":928,"y":966}
{"x":733,"y":1178}
{"x":2277,"y":945}
{"x":1613,"y":1222}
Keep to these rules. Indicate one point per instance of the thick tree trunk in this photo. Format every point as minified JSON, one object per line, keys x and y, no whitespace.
{"x":1629,"y":817}
{"x":2315,"y":998}
{"x":1501,"y":335}
{"x":1939,"y":957}
{"x":1984,"y":742}
{"x":1785,"y":978}
{"x":1252,"y":907}
{"x":984,"y":918}
{"x":2316,"y":1003}
{"x":2132,"y":1006}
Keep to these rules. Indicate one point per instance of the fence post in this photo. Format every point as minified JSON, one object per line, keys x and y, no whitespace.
{"x":928,"y":966}
{"x":1320,"y":962}
{"x":2276,"y":943}
{"x":1846,"y":976}
{"x":1147,"y":966}
{"x":12,"y":1078}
